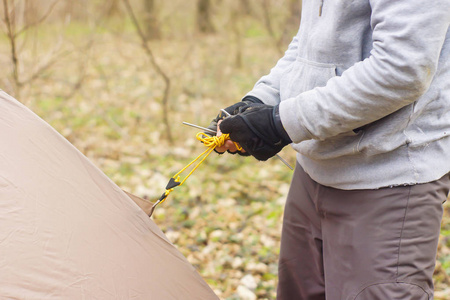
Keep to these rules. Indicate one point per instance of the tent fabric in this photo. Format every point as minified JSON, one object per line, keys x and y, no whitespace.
{"x":68,"y":232}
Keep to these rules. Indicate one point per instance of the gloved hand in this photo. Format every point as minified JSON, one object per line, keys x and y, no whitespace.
{"x":259,"y":131}
{"x":234,"y":109}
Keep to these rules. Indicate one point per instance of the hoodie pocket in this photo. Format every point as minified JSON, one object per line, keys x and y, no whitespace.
{"x":303,"y":76}
{"x":341,"y":145}
{"x":306,"y":75}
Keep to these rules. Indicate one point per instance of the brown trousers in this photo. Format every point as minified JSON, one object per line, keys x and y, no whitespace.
{"x":359,"y":244}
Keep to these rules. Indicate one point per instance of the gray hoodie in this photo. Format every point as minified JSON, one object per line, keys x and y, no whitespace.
{"x":365,"y":92}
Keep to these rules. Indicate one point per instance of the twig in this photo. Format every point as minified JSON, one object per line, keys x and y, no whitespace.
{"x":9,"y":19}
{"x":36,"y":74}
{"x":12,"y":41}
{"x":144,"y":44}
{"x":42,"y":19}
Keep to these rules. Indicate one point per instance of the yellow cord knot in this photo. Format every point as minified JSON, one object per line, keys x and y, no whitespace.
{"x":215,"y":141}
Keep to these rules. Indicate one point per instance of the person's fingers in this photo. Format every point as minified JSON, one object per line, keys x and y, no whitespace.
{"x":219,"y":132}
{"x":234,"y":148}
{"x":229,"y":144}
{"x":220,"y":149}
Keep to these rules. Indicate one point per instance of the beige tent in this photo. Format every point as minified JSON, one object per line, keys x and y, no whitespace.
{"x":68,"y":232}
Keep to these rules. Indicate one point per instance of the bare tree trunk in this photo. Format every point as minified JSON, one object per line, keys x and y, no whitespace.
{"x":31,"y":11}
{"x":237,"y":34}
{"x":296,"y":10}
{"x":113,"y":9}
{"x":204,"y":23}
{"x":76,"y":10}
{"x":246,"y":7}
{"x":159,"y":70}
{"x":268,"y":24}
{"x":151,"y":21}
{"x":292,"y":22}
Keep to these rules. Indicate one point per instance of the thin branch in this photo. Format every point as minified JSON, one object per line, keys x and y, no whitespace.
{"x":12,"y":15}
{"x":44,"y":67}
{"x":42,"y":19}
{"x":12,"y":41}
{"x":82,"y":71}
{"x":144,"y":44}
{"x":144,"y":41}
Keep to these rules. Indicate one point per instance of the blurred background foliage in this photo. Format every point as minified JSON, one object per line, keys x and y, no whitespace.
{"x":118,"y":77}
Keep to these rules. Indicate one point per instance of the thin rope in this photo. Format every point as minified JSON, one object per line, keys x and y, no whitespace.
{"x":211,"y":142}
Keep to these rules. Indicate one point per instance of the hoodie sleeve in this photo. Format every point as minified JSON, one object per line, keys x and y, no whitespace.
{"x":407,"y":40}
{"x":267,"y":89}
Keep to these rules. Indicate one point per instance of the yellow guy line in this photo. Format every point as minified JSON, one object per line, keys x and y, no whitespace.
{"x":209,"y":141}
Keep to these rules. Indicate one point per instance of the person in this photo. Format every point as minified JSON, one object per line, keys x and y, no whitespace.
{"x":363,"y":95}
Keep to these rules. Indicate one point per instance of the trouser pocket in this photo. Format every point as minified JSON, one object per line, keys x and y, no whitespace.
{"x":392,"y":290}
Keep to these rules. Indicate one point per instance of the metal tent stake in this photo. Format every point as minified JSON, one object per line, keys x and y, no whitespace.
{"x":213,"y":131}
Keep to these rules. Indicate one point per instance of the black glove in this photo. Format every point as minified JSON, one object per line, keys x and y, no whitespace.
{"x":234,"y":109}
{"x":258,"y":130}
